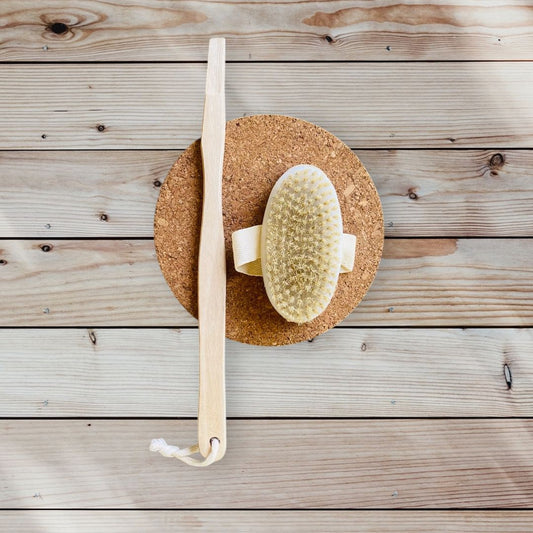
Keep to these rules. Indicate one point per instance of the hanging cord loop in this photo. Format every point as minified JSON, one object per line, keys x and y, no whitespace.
{"x":183,"y":454}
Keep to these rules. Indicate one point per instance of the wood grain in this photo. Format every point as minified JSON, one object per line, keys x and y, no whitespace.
{"x":212,"y":262}
{"x":443,"y":282}
{"x":37,"y":521}
{"x":343,"y":373}
{"x":363,"y":30}
{"x":124,"y":125}
{"x":55,"y":194}
{"x":456,"y":193}
{"x":271,"y":464}
{"x":372,"y":105}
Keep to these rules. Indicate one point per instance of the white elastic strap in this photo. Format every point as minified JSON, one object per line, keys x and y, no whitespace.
{"x":348,"y":252}
{"x":167,"y":450}
{"x":247,"y":251}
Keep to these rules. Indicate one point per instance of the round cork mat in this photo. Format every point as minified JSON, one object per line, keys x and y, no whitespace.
{"x":259,"y":149}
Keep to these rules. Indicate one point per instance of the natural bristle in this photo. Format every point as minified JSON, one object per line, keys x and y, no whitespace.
{"x":302,"y":232}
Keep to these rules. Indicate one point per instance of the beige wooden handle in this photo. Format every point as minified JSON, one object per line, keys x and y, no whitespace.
{"x":212,"y":261}
{"x":211,"y":279}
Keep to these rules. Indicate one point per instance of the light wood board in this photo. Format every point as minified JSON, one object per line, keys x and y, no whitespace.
{"x":457,"y":192}
{"x":271,"y":464}
{"x":84,"y":137}
{"x":443,"y":282}
{"x":277,"y":30}
{"x":38,"y":521}
{"x":344,"y":373}
{"x":366,"y":105}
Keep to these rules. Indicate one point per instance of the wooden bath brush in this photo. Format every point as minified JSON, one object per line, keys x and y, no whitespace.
{"x":259,"y":149}
{"x":211,"y":278}
{"x":300,"y":248}
{"x":320,"y":175}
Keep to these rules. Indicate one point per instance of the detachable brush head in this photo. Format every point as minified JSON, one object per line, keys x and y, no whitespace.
{"x":301,"y":243}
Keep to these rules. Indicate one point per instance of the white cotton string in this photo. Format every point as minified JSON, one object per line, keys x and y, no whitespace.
{"x":167,"y":450}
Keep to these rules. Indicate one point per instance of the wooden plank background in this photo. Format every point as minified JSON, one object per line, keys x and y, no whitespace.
{"x":272,"y":464}
{"x":424,"y":192}
{"x":420,"y":282}
{"x":276,"y":30}
{"x":346,"y":372}
{"x":415,"y":414}
{"x":268,"y":521}
{"x":367,"y":105}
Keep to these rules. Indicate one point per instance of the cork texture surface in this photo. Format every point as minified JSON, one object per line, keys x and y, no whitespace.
{"x":258,"y":150}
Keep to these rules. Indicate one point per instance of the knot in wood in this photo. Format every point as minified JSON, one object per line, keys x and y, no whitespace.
{"x":496,"y":161}
{"x":59,"y":28}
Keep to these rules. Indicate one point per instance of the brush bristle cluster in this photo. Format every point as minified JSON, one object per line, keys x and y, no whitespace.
{"x":302,"y":233}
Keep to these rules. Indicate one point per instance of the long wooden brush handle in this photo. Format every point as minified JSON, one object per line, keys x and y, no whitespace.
{"x":212,"y":261}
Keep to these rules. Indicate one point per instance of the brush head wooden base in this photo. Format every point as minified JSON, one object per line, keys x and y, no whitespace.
{"x":258,"y":150}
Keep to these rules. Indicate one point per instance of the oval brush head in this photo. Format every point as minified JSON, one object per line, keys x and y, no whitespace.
{"x":301,"y":243}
